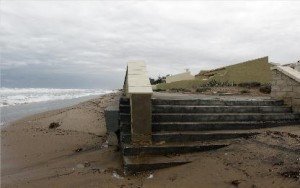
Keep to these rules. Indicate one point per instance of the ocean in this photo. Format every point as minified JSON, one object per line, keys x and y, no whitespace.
{"x":16,"y":103}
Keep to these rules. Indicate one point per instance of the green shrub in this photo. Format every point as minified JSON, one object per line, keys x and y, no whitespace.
{"x":54,"y":125}
{"x":180,"y":90}
{"x":245,"y":91}
{"x":159,"y":90}
{"x":266,"y":89}
{"x":215,"y":83}
{"x":249,"y":84}
{"x":202,"y":89}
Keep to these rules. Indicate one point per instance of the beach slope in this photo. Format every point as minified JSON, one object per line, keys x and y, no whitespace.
{"x":76,"y":154}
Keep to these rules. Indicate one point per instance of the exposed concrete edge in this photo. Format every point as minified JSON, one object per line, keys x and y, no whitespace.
{"x":137,"y":87}
{"x":288,"y":71}
{"x":137,"y":79}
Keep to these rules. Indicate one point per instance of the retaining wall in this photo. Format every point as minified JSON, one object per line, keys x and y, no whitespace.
{"x":286,"y":86}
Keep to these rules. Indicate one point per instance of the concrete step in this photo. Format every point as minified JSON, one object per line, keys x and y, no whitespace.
{"x":134,"y":164}
{"x":124,"y":108}
{"x":216,"y":117}
{"x":210,"y":126}
{"x":193,"y":136}
{"x":218,"y":109}
{"x":124,"y":101}
{"x":169,"y":149}
{"x":199,"y":136}
{"x":215,"y":102}
{"x":125,"y":117}
{"x":212,"y":109}
{"x":222,"y":117}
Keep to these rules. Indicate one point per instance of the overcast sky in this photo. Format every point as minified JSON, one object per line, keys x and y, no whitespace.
{"x":82,"y":44}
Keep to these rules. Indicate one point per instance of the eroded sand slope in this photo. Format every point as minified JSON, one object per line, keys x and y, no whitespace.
{"x":76,"y":155}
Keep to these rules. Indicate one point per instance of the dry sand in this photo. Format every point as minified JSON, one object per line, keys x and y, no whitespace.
{"x":76,"y":155}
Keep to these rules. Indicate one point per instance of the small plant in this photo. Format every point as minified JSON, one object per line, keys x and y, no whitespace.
{"x":202,"y":89}
{"x":249,"y":84}
{"x":159,"y":90}
{"x":54,"y":125}
{"x":180,"y":90}
{"x":215,"y":83}
{"x":212,"y":83}
{"x":266,"y":89}
{"x":244,"y":91}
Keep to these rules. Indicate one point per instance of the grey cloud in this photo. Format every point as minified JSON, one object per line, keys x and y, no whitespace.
{"x":90,"y":42}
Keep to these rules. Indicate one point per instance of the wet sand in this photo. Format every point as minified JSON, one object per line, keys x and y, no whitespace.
{"x":76,"y":154}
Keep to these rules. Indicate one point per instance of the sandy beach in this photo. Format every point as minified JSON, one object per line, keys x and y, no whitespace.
{"x":76,"y":154}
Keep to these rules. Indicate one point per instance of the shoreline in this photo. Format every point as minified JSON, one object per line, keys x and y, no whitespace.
{"x":76,"y":154}
{"x":9,"y":114}
{"x":32,"y":151}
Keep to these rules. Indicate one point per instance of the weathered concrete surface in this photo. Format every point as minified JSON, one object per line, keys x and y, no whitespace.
{"x":141,"y":117}
{"x":286,"y":86}
{"x":138,"y":89}
{"x":137,"y":79}
{"x":181,"y":121}
{"x":112,"y":118}
{"x":169,"y":149}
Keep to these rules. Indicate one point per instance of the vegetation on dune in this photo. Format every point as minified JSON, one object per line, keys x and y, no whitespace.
{"x":248,"y":74}
{"x":266,"y":89}
{"x":192,"y":84}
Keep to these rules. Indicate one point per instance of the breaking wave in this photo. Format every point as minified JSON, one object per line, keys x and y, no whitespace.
{"x":17,"y":96}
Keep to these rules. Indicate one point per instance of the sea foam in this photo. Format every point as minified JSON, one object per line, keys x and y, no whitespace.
{"x":17,"y":96}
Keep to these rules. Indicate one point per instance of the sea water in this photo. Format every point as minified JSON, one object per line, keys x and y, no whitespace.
{"x":16,"y":103}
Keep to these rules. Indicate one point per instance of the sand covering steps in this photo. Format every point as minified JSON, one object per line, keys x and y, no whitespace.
{"x":185,"y":126}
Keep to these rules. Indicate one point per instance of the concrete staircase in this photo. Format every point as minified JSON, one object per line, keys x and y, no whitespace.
{"x":194,"y":125}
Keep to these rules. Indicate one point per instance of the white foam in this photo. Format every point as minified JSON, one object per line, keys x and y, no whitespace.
{"x":17,"y":96}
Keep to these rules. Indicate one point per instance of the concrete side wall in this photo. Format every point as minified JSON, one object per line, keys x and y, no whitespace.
{"x":180,"y":77}
{"x":137,"y":87}
{"x":112,"y":118}
{"x":141,"y":116}
{"x":287,"y":89}
{"x":297,"y":68}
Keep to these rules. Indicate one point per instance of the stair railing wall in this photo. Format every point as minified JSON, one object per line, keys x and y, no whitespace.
{"x":137,"y":87}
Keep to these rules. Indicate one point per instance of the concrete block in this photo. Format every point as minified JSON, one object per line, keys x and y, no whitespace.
{"x":290,"y":94}
{"x":279,"y":94}
{"x":296,"y":89}
{"x":281,"y":82}
{"x":275,"y":88}
{"x":296,"y":101}
{"x":273,"y":94}
{"x":288,"y":101}
{"x":296,"y":109}
{"x":286,"y":88}
{"x":291,"y":82}
{"x":111,"y":114}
